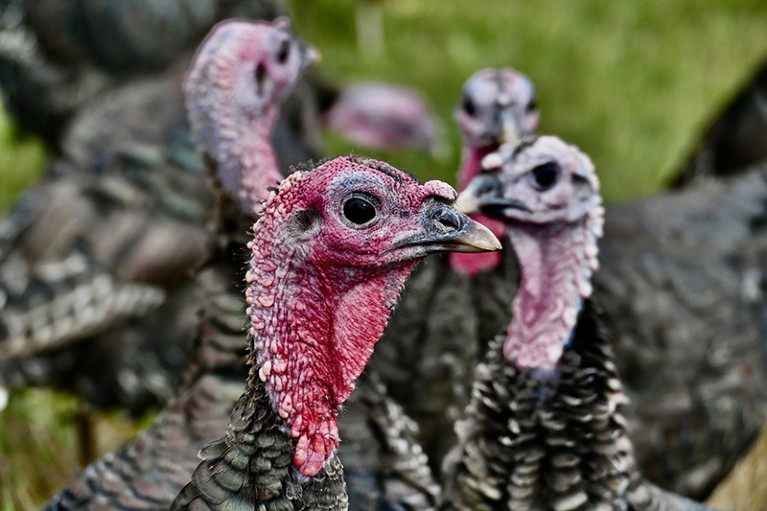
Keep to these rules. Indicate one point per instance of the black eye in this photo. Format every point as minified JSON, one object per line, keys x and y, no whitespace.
{"x":468,"y":106}
{"x":283,"y":52}
{"x":532,"y":106}
{"x":260,"y":76}
{"x":545,"y":176}
{"x":359,"y":211}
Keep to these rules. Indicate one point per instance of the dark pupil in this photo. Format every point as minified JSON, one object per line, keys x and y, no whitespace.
{"x":545,"y":175}
{"x":468,"y":106}
{"x":282,"y":54}
{"x":533,"y":105}
{"x":359,"y":211}
{"x":260,"y":78}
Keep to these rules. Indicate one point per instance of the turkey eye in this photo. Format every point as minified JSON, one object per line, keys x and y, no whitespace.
{"x":359,"y":211}
{"x":532,"y":106}
{"x":545,"y":176}
{"x":468,"y":106}
{"x":260,"y":76}
{"x":283,"y":52}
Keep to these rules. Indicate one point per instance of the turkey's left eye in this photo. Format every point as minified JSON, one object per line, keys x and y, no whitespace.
{"x":468,"y":106}
{"x":359,"y":211}
{"x":283,"y":52}
{"x":545,"y":176}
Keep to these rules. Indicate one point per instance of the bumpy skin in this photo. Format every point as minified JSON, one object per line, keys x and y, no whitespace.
{"x":148,"y":472}
{"x":736,"y":136}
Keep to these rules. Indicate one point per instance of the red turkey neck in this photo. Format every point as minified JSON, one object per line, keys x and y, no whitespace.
{"x":313,"y":335}
{"x":473,"y":264}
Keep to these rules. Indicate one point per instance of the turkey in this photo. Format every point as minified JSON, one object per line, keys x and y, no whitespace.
{"x":452,"y":304}
{"x":148,"y":472}
{"x":83,"y":310}
{"x":330,"y":253}
{"x":76,"y":297}
{"x":545,"y":427}
{"x":57,"y":56}
{"x":254,"y":66}
{"x":683,"y":290}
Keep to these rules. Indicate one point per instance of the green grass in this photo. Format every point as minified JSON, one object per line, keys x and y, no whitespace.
{"x":632,"y":82}
{"x":21,"y":161}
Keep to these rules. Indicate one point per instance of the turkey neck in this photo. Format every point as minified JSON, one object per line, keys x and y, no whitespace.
{"x":556,"y":263}
{"x":473,"y":264}
{"x":313,"y":336}
{"x":247,"y":164}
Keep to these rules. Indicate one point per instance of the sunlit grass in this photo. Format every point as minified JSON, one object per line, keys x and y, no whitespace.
{"x":39,"y":449}
{"x":21,"y":161}
{"x":632,"y":82}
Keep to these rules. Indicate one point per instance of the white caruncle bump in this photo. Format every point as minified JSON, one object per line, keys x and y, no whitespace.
{"x":492,"y":161}
{"x":265,"y":371}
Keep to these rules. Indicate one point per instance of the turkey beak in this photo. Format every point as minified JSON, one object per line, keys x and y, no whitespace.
{"x":309,"y":55}
{"x":484,"y":195}
{"x":504,"y":127}
{"x":445,"y":229}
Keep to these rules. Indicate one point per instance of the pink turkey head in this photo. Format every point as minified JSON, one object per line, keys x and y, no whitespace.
{"x":384,"y":116}
{"x":331,"y":251}
{"x":238,"y":78}
{"x":537,"y":180}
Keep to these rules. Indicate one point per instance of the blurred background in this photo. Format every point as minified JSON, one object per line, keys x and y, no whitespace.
{"x":633,"y":83}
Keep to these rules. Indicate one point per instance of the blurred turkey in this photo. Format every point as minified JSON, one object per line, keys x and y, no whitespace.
{"x":112,"y":231}
{"x":545,"y":427}
{"x":330,"y":253}
{"x":262,"y":61}
{"x":383,"y":116}
{"x":94,"y":261}
{"x":737,"y":138}
{"x":56,"y":56}
{"x":683,"y":290}
{"x":149,"y":471}
{"x":453,"y":304}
